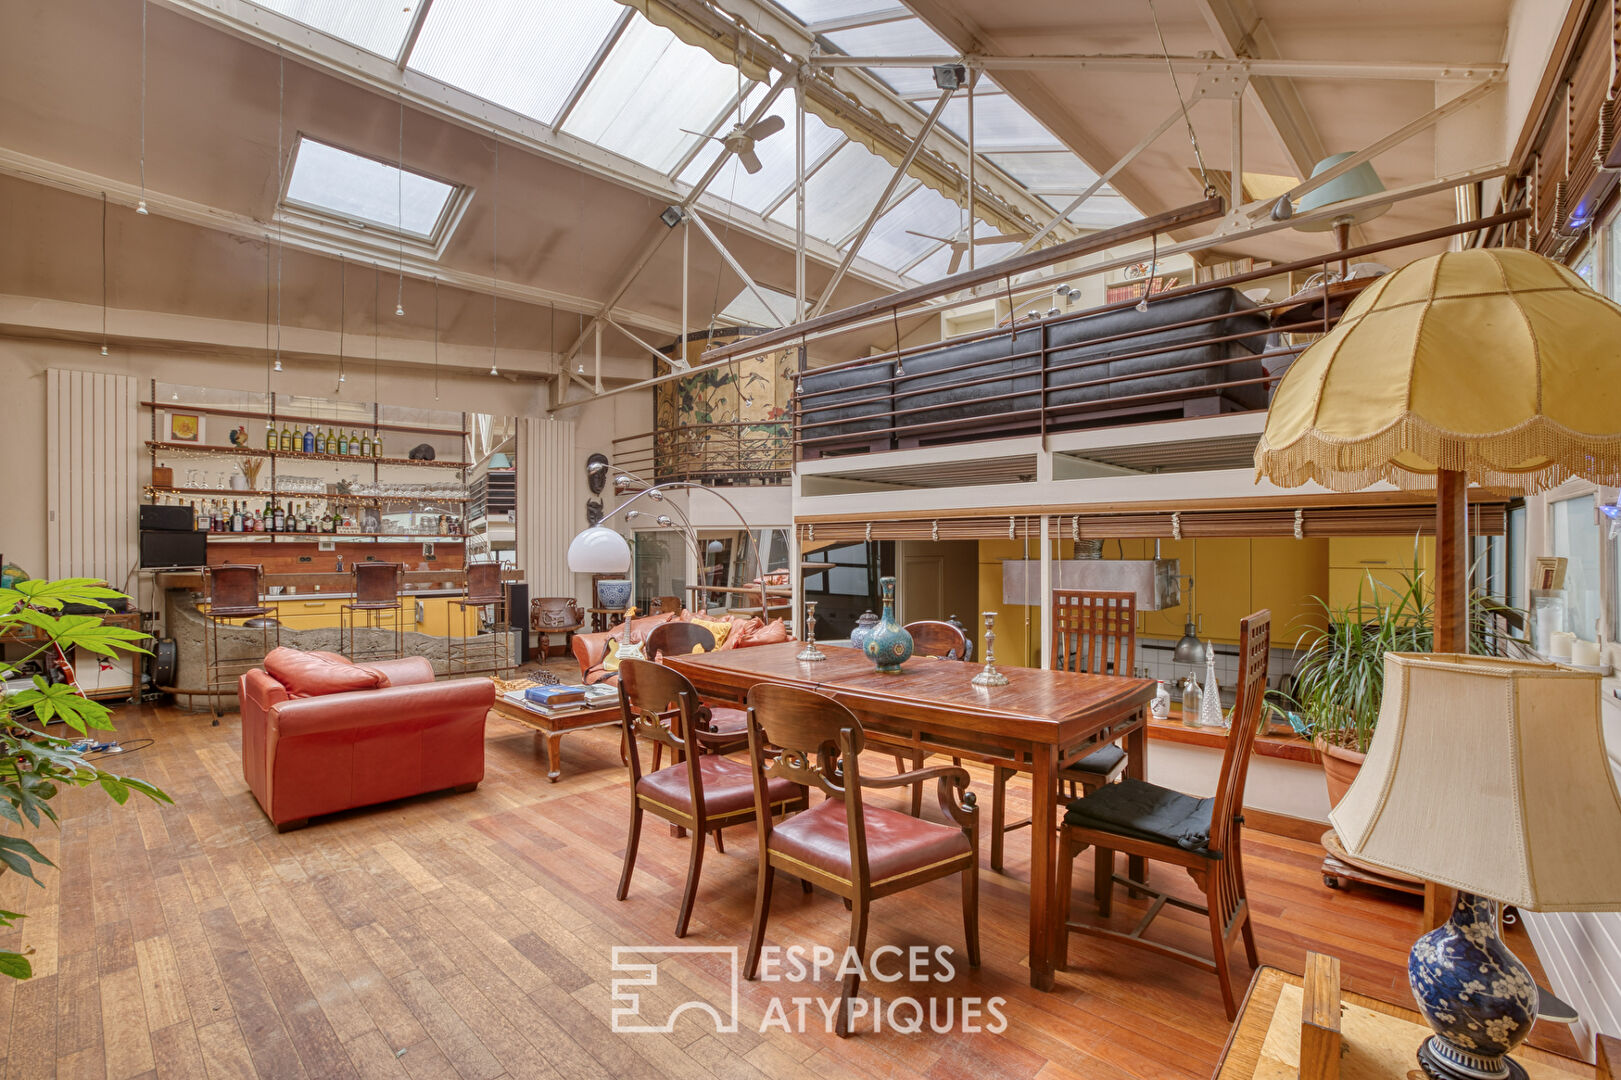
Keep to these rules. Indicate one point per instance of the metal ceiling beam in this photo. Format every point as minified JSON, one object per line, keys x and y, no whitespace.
{"x":881,"y":206}
{"x":1189,"y":65}
{"x":856,"y":22}
{"x":731,"y":260}
{"x":1240,"y":33}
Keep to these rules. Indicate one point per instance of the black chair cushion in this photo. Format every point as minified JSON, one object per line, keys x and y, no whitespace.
{"x":1145,"y":811}
{"x":1101,"y":761}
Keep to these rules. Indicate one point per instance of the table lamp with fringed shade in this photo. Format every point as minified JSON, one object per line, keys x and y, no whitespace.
{"x":1490,"y":776}
{"x":1496,"y":365}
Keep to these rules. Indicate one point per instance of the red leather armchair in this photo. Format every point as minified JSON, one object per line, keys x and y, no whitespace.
{"x":320,"y":734}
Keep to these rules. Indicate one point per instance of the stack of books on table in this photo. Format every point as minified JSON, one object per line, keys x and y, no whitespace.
{"x":561,"y":700}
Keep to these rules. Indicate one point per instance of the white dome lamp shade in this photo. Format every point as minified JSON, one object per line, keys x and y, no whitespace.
{"x":1357,"y":183}
{"x":598,"y":550}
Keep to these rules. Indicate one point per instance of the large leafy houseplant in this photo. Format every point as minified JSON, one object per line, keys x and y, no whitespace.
{"x":1340,"y":676}
{"x":35,"y":767}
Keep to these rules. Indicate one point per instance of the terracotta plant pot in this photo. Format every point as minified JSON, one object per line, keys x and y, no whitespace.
{"x":1339,"y":769}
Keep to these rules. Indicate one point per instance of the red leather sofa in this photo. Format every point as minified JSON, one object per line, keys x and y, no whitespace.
{"x":321,"y":734}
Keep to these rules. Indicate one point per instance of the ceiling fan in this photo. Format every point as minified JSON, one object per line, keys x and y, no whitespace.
{"x":740,"y":140}
{"x":959,"y":242}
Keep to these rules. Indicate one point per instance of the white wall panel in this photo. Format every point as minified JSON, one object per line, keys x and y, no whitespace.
{"x":551,"y":505}
{"x":91,"y":456}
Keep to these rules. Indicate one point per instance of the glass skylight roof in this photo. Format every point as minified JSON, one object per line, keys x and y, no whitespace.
{"x":894,"y":240}
{"x":840,"y":195}
{"x":758,"y":191}
{"x":525,"y":55}
{"x":378,"y":26}
{"x":366,"y":191}
{"x":649,"y":88}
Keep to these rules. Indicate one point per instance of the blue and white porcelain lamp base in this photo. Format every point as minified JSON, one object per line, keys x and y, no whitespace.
{"x":1476,"y":994}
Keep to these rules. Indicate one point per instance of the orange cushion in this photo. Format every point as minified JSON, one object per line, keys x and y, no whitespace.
{"x":741,"y":628}
{"x":308,"y":674}
{"x":774,"y":632}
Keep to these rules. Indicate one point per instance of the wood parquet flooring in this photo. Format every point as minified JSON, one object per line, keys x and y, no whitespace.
{"x":469,"y":937}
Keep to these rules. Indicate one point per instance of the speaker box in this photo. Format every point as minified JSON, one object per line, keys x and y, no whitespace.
{"x":167,"y":518}
{"x":160,"y":549}
{"x":518,"y":619}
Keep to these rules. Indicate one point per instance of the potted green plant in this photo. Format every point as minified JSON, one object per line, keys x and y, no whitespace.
{"x":1339,"y":678}
{"x":34,"y":766}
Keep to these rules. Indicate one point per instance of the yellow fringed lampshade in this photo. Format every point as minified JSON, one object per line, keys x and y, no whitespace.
{"x":1495,"y":362}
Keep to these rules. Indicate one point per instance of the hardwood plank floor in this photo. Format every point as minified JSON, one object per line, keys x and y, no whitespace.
{"x":470,"y":937}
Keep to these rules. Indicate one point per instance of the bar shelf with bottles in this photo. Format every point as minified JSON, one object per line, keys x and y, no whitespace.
{"x":345,"y":440}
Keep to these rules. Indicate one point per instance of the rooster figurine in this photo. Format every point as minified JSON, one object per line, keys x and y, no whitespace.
{"x":239,"y":437}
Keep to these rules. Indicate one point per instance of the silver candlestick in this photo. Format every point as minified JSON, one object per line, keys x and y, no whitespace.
{"x":990,"y":676}
{"x":810,"y":651}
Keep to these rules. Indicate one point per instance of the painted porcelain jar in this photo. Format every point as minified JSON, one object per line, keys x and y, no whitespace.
{"x":1475,"y":993}
{"x":863,"y":630}
{"x":613,"y":593}
{"x":889,"y":645}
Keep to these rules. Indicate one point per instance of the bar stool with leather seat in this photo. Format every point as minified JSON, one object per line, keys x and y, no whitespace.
{"x":859,"y":852}
{"x":1203,"y":836}
{"x":376,"y":588}
{"x":1093,"y":631}
{"x":701,"y":792}
{"x":233,"y":591}
{"x":483,"y":591}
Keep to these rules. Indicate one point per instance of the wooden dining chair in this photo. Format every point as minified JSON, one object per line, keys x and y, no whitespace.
{"x":853,"y":850}
{"x":1093,"y":631}
{"x":943,"y":641}
{"x":1200,"y":835}
{"x":701,"y":792}
{"x":679,"y":639}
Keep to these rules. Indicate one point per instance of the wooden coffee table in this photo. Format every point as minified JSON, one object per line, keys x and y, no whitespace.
{"x":555,"y":727}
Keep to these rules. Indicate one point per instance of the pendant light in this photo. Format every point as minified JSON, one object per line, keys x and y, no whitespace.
{"x":140,"y":203}
{"x":399,"y":213}
{"x":495,"y":244}
{"x":104,"y":273}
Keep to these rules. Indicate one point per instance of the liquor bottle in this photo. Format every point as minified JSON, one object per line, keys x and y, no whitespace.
{"x":365,"y":445}
{"x":354,"y":443}
{"x":236,"y":517}
{"x":278,"y":519}
{"x":308,"y":441}
{"x":286,"y":437}
{"x":377,"y":446}
{"x":272,"y":441}
{"x":199,"y":516}
{"x":343,"y":443}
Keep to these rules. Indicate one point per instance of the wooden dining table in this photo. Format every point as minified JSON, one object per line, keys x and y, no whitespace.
{"x":1038,"y":723}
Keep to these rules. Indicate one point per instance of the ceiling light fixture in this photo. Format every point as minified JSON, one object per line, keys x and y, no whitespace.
{"x":140,"y":203}
{"x":672,"y":216}
{"x":399,"y":213}
{"x":950,"y":76}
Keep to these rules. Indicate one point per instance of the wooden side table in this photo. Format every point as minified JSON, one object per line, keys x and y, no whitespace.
{"x":1381,"y":1040}
{"x":605,"y":618}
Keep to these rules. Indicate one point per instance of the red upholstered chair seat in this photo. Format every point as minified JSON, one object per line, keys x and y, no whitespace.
{"x":897,"y":844}
{"x":728,"y":788}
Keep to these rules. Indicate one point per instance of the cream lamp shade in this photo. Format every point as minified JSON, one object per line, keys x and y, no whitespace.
{"x":1496,"y":362}
{"x":1490,"y":776}
{"x":1354,"y":184}
{"x":598,"y":550}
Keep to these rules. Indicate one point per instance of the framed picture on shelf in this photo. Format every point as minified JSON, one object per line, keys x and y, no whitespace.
{"x":1550,"y":572}
{"x":184,"y":427}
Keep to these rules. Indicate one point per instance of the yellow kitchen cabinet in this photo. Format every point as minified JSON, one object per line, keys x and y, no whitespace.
{"x":1222,"y":596}
{"x":1285,"y":574}
{"x":1018,"y":627}
{"x":1385,"y":559}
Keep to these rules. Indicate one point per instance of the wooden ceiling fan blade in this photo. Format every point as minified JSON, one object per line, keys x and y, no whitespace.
{"x":751,"y":162}
{"x":769,"y":126}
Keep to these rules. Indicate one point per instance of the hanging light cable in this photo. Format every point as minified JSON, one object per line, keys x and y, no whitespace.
{"x":1153,"y":268}
{"x":281,"y":185}
{"x":399,"y":213}
{"x":495,"y":245}
{"x":436,"y":339}
{"x":140,"y":203}
{"x":1198,"y":155}
{"x":343,"y":311}
{"x":104,"y":273}
{"x":376,"y":324}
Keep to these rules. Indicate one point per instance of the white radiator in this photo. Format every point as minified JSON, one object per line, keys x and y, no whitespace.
{"x":551,"y":504}
{"x":92,"y":457}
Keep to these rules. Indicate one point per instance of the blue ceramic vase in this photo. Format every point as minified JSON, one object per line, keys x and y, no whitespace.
{"x":1475,"y":993}
{"x":889,"y":645}
{"x":863,"y":630}
{"x":613,"y":593}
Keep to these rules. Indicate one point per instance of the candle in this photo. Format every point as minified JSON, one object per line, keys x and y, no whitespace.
{"x":1560,"y":643}
{"x":1584,"y":653}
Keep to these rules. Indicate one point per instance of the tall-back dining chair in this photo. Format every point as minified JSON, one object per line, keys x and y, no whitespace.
{"x":700,"y":792}
{"x":677,"y":639}
{"x":853,"y":850}
{"x":1200,"y":835}
{"x":1094,"y":631}
{"x":943,"y":641}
